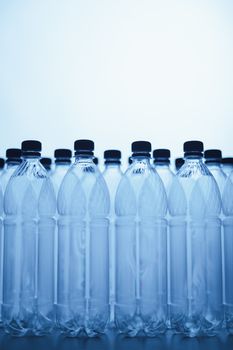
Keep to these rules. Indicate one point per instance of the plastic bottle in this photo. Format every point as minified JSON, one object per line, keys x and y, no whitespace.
{"x":62,"y":164}
{"x":227,"y":206}
{"x":195,"y":233}
{"x":29,"y":205}
{"x":83,"y":207}
{"x":213,"y":159}
{"x":112,"y":175}
{"x":13,"y":159}
{"x":141,"y":205}
{"x":162,"y":166}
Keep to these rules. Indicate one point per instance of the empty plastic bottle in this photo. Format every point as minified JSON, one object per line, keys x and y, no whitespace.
{"x":29,"y":205}
{"x":227,"y":165}
{"x":162,"y":166}
{"x":83,"y":207}
{"x":62,"y":164}
{"x":13,"y":159}
{"x":112,"y":175}
{"x":227,"y":206}
{"x":141,"y":205}
{"x":2,"y":165}
{"x":213,"y":159}
{"x":178,"y":163}
{"x":195,"y":238}
{"x":47,"y":163}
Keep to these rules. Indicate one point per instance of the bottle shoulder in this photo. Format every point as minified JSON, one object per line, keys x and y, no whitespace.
{"x":83,"y":191}
{"x":197,"y":196}
{"x":141,"y":192}
{"x":29,"y":192}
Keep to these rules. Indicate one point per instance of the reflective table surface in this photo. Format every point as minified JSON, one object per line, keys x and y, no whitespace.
{"x":113,"y":341}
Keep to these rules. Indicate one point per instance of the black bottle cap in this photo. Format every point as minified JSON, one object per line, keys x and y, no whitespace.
{"x":112,"y":156}
{"x":84,"y":147}
{"x":95,"y":160}
{"x":194,"y":148}
{"x":2,"y":163}
{"x":46,"y":162}
{"x":213,"y":155}
{"x":227,"y":161}
{"x":178,"y":163}
{"x":62,"y":155}
{"x":161,"y":155}
{"x":31,"y":147}
{"x":141,"y":148}
{"x":13,"y":154}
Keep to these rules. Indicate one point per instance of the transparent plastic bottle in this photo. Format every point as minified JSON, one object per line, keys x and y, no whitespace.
{"x":162,"y":166}
{"x":29,"y":205}
{"x":178,"y":163}
{"x":141,"y":205}
{"x":62,"y":164}
{"x":213,"y":159}
{"x":112,"y":175}
{"x":227,"y":204}
{"x":195,"y":233}
{"x":83,"y":207}
{"x":47,"y":164}
{"x":227,"y":165}
{"x":13,"y":159}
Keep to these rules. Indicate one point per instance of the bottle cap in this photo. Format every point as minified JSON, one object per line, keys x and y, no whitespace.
{"x":213,"y":155}
{"x":194,"y":148}
{"x":62,"y":155}
{"x":178,"y":163}
{"x":84,"y":147}
{"x":161,"y":155}
{"x":13,"y":154}
{"x":31,"y":147}
{"x":112,"y":156}
{"x":141,"y":148}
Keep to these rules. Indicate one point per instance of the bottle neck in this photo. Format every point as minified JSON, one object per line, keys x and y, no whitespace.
{"x":161,"y":164}
{"x":31,"y":158}
{"x":12,"y":163}
{"x":193,"y":159}
{"x":62,"y":163}
{"x":213,"y":164}
{"x":142,"y":158}
{"x":84,"y":158}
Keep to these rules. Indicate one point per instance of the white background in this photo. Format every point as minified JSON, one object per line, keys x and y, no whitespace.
{"x":116,"y":71}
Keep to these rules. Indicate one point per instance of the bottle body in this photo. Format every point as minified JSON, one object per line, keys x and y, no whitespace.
{"x":167,"y":176}
{"x":227,"y":201}
{"x":112,"y":175}
{"x":82,"y":295}
{"x":29,"y":205}
{"x":141,"y":251}
{"x":195,"y":232}
{"x":57,"y":177}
